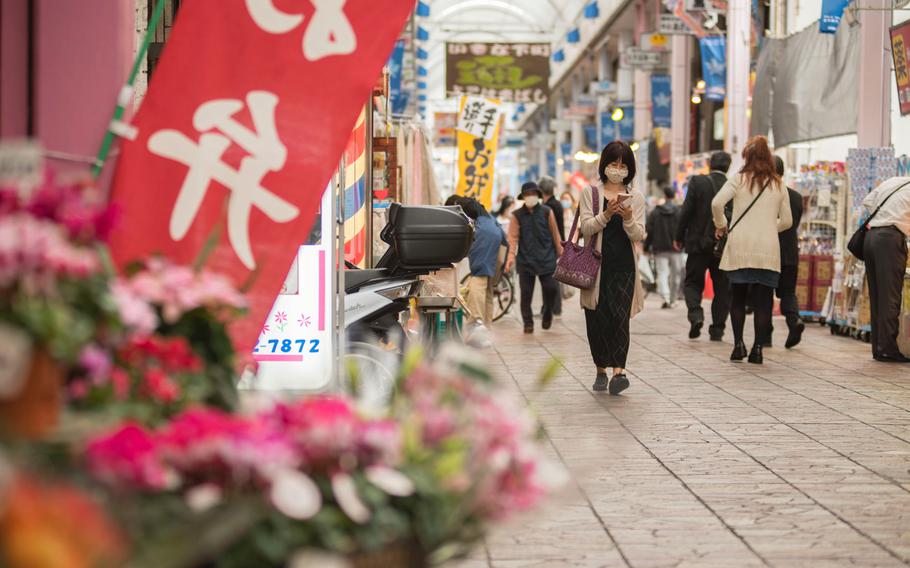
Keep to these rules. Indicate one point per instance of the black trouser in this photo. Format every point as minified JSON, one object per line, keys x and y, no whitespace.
{"x":526,"y":281}
{"x":886,"y":257}
{"x":761,"y":298}
{"x":557,"y":301}
{"x":696,"y":266}
{"x":786,"y":291}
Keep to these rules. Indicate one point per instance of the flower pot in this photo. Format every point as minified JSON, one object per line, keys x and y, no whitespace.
{"x":35,"y":411}
{"x":401,"y":555}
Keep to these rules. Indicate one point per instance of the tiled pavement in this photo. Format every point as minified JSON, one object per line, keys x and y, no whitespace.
{"x":804,"y":461}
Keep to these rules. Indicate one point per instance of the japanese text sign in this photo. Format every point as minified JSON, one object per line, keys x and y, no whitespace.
{"x":510,"y":72}
{"x":479,"y":125}
{"x":900,"y":50}
{"x":245,"y":121}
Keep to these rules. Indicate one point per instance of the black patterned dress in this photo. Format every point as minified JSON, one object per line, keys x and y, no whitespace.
{"x":608,"y":325}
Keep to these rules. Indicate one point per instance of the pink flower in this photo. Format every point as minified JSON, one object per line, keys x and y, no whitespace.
{"x":77,"y":389}
{"x":128,"y":457}
{"x":96,"y":362}
{"x":135,"y":312}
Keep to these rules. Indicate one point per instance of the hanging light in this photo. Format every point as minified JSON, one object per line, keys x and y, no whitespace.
{"x":586,"y":157}
{"x":634,"y":146}
{"x":696,"y":99}
{"x":618,"y":114}
{"x":700,"y":85}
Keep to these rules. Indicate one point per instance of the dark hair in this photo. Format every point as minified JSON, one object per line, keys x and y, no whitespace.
{"x":547,"y":185}
{"x":720,"y":161}
{"x":669,"y":192}
{"x":507,"y":202}
{"x":452,"y":200}
{"x":779,"y":165}
{"x":472,"y":208}
{"x":759,"y":167}
{"x":617,"y":150}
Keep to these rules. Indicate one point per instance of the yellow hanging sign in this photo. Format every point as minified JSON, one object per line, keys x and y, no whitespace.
{"x":478,"y":128}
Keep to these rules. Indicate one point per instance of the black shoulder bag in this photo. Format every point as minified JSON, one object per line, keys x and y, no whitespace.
{"x":721,"y":244}
{"x":858,"y":240}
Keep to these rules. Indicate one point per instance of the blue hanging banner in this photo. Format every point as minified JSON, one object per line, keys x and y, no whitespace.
{"x":574,"y":35}
{"x":551,"y":164}
{"x":625,"y":128}
{"x":422,"y":53}
{"x":661,"y":99}
{"x":714,"y":66}
{"x":422,"y":72}
{"x":398,"y":97}
{"x":423,"y":9}
{"x":568,"y":160}
{"x":832,"y":12}
{"x":591,"y":135}
{"x":592,"y":11}
{"x":422,"y":34}
{"x":559,"y":56}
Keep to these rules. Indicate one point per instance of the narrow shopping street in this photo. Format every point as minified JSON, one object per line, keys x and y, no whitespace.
{"x":804,"y":461}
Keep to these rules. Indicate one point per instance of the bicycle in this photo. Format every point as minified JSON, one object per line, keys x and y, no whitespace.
{"x":503,"y":294}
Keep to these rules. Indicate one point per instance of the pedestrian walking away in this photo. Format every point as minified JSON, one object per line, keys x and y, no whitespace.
{"x":548,"y":188}
{"x":789,"y":269}
{"x":885,"y":252}
{"x":534,"y":246}
{"x":483,"y":259}
{"x":617,"y":295}
{"x":695,"y":231}
{"x":661,"y":229}
{"x":751,"y":257}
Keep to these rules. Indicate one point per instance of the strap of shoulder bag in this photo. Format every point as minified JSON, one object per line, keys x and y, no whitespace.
{"x":735,"y":223}
{"x":595,"y":205}
{"x":882,"y":204}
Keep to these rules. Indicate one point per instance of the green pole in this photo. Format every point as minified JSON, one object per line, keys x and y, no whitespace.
{"x":118,"y":112}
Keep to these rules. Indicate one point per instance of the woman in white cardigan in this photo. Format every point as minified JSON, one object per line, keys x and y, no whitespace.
{"x":761,"y":209}
{"x":617,"y":294}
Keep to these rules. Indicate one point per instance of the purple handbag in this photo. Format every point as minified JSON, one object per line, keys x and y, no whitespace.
{"x":578,"y":265}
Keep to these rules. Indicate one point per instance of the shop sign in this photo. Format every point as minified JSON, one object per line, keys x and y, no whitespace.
{"x":230,"y":147}
{"x":661,"y":101}
{"x":640,"y":58}
{"x":900,"y":51}
{"x":510,"y":72}
{"x":444,"y":125}
{"x":603,"y":88}
{"x":583,"y":107}
{"x":832,"y":12}
{"x":21,"y":165}
{"x":295,"y":348}
{"x":669,"y":24}
{"x":560,"y":124}
{"x":655,"y":42}
{"x":714,"y":66}
{"x":479,"y":125}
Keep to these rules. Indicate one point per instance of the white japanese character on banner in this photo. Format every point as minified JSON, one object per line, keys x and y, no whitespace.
{"x":458,"y":48}
{"x":499,"y":49}
{"x":540,"y":49}
{"x":329,"y":32}
{"x":478,"y":48}
{"x":204,"y":158}
{"x":520,"y":49}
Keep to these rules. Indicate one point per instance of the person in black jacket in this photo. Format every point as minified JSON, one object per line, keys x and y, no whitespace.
{"x":789,"y":267}
{"x":547,"y":185}
{"x":661,"y":230}
{"x":695,"y":231}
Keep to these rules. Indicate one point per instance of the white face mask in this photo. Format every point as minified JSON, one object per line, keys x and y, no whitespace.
{"x":616,"y":175}
{"x":531,"y":201}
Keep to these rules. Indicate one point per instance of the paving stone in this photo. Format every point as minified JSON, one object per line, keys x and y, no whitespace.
{"x":804,"y":461}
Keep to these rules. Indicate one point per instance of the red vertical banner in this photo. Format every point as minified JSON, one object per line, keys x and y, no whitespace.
{"x":246,"y":117}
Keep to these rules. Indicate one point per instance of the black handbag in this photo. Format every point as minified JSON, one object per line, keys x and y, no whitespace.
{"x":858,"y":240}
{"x":721,"y":243}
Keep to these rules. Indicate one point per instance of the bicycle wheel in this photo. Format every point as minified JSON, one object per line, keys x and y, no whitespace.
{"x":503,"y":297}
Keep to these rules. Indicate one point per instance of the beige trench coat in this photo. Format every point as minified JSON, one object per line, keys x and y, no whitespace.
{"x":635,"y":229}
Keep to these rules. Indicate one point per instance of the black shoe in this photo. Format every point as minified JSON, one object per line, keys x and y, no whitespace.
{"x":600,"y":383}
{"x":547,"y":322}
{"x":695,"y":330}
{"x":529,"y":329}
{"x":756,"y":355}
{"x":666,"y":306}
{"x":619,"y":383}
{"x":739,"y":352}
{"x":795,"y":335}
{"x":767,"y":344}
{"x":715,"y":334}
{"x":897,"y":358}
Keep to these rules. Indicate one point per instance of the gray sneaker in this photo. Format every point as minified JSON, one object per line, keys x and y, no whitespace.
{"x":619,"y":383}
{"x":600,"y":383}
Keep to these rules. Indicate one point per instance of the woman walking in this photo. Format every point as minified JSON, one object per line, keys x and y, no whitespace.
{"x":751,"y":258}
{"x":616,"y":296}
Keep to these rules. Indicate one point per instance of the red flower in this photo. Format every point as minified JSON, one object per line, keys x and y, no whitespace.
{"x":160,"y":387}
{"x":120,"y":380}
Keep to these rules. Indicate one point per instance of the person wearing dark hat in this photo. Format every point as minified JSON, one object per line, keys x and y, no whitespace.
{"x":534,"y":246}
